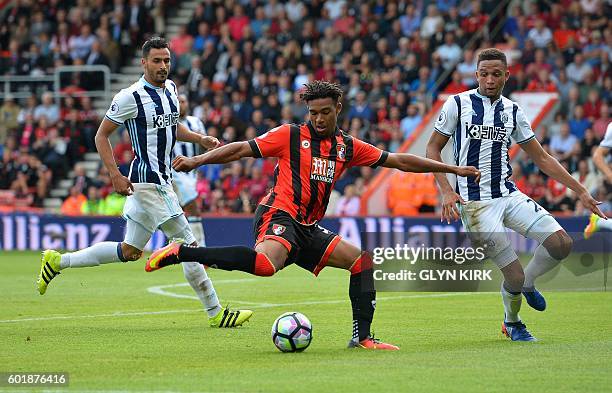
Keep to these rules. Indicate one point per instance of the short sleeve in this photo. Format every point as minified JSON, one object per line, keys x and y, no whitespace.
{"x":447,"y":120}
{"x":272,"y":143}
{"x":365,"y":154}
{"x":122,"y":108}
{"x":522,"y":129}
{"x":607,"y":141}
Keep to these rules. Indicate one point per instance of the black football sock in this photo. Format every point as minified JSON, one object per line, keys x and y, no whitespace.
{"x":240,"y":258}
{"x":363,"y":297}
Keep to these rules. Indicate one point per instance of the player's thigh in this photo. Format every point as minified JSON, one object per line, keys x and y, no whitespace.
{"x":525,"y":216}
{"x":275,"y":251}
{"x":274,"y":229}
{"x":484,"y":222}
{"x":178,"y":228}
{"x":318,"y":246}
{"x":135,"y":240}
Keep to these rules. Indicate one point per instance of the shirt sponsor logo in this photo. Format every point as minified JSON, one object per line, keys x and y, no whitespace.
{"x":476,"y":131}
{"x":166,"y":120}
{"x":323,"y":170}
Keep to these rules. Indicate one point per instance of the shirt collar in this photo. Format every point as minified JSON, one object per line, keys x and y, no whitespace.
{"x":144,"y":82}
{"x":483,"y":98}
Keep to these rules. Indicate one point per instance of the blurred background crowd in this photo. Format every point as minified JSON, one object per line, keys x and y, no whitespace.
{"x":242,"y":64}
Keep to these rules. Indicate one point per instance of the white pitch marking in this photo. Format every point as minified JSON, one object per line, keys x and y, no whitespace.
{"x":254,"y":305}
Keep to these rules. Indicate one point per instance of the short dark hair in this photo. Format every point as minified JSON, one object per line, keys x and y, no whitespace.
{"x":321,"y":89}
{"x":492,"y":54}
{"x":153,"y":43}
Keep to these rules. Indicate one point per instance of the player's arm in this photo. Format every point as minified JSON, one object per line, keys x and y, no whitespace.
{"x":599,"y":159}
{"x":231,"y":152}
{"x":184,"y":134}
{"x":121,"y":183}
{"x":552,"y":168}
{"x":450,"y":198}
{"x":411,"y":163}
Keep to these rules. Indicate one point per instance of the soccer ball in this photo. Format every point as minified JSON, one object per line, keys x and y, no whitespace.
{"x":292,"y":332}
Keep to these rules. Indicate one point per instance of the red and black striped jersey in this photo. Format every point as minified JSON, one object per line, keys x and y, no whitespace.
{"x":308,"y":167}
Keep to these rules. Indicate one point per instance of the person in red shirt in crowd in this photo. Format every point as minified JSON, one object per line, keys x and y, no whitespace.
{"x":592,"y":107}
{"x":601,"y":123}
{"x":456,"y":85}
{"x":476,"y":21}
{"x":534,"y":187}
{"x":233,"y":182}
{"x":542,"y":83}
{"x":258,"y":185}
{"x":237,"y":22}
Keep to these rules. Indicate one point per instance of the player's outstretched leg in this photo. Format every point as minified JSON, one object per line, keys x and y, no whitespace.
{"x":240,"y":258}
{"x":547,"y":256}
{"x":99,"y":253}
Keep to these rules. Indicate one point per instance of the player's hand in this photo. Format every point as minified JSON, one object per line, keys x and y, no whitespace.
{"x":450,"y":212}
{"x":468,"y":171}
{"x":209,"y":142}
{"x":184,"y":164}
{"x":122,"y":184}
{"x":590,"y":203}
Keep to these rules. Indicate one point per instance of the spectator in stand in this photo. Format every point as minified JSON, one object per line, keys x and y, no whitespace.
{"x":411,"y":121}
{"x":578,"y":69}
{"x":542,"y":83}
{"x":449,"y":52}
{"x":360,"y":109}
{"x":601,"y":124}
{"x":456,"y":85}
{"x":540,"y":34}
{"x":555,"y":197}
{"x":579,"y":124}
{"x":467,"y":68}
{"x":47,"y":109}
{"x":562,"y":145}
{"x":73,"y":203}
{"x":94,"y":205}
{"x":349,"y":204}
{"x":592,"y":107}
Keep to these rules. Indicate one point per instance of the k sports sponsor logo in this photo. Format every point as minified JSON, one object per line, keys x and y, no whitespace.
{"x":166,"y":120}
{"x":476,"y":131}
{"x":323,"y":170}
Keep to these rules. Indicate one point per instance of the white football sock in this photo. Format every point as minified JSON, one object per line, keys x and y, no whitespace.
{"x":198,"y":230}
{"x":605,"y":224}
{"x":541,"y":263}
{"x":512,"y":304}
{"x":99,"y":253}
{"x":203,"y":287}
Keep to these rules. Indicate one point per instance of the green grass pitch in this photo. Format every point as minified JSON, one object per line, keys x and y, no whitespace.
{"x":108,"y":328}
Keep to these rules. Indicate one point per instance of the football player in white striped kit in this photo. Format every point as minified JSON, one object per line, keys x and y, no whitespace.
{"x":149,"y":110}
{"x":482,"y":123}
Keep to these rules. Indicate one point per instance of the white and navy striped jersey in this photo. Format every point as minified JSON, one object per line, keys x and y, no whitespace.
{"x":481,"y":132}
{"x":187,"y":149}
{"x":150,"y":114}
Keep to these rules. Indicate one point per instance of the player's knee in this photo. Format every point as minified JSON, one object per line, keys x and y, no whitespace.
{"x":264,"y":266}
{"x":130,"y":253}
{"x":559,"y":245}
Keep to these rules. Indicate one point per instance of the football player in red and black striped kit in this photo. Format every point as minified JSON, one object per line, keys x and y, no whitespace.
{"x":311,"y":158}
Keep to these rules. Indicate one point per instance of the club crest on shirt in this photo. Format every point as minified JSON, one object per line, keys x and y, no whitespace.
{"x":278,"y":229}
{"x":323,"y":170}
{"x":504,"y":117}
{"x":341,"y":152}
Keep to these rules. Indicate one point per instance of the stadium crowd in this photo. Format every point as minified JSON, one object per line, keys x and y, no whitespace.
{"x":242,"y":64}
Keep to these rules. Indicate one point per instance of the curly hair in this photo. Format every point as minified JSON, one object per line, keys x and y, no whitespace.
{"x":492,"y":54}
{"x":321,"y":89}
